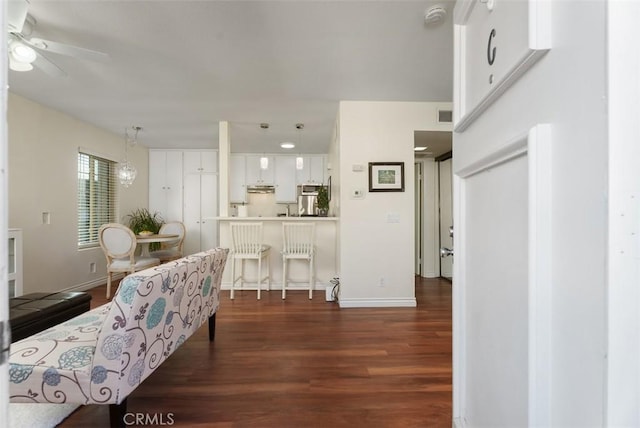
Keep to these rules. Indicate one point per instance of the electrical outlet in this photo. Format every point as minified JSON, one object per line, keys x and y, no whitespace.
{"x":382,"y":282}
{"x":357,"y":194}
{"x":92,"y":267}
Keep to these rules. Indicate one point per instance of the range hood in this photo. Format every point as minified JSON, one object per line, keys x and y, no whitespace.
{"x":261,"y":188}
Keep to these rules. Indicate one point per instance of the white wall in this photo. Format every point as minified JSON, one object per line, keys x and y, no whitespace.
{"x":376,"y":254}
{"x":567,"y":90}
{"x":43,"y":150}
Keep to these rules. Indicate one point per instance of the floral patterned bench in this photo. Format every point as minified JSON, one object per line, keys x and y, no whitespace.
{"x":101,"y":356}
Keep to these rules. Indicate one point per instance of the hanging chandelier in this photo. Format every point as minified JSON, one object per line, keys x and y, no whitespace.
{"x":125,"y":170}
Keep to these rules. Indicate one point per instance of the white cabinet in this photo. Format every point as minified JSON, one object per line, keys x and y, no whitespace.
{"x":14,"y":267}
{"x":183,"y":186}
{"x":201,"y":161}
{"x":285,"y":179}
{"x":255,"y":174}
{"x":165,"y":184}
{"x":237,"y":184}
{"x":200,"y":211}
{"x":312,"y":171}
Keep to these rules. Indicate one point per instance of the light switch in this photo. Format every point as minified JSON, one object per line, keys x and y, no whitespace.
{"x":357,"y":168}
{"x":393,"y":218}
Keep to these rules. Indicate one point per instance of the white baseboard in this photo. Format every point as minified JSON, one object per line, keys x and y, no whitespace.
{"x":458,"y":423}
{"x":378,"y":303}
{"x":91,"y":284}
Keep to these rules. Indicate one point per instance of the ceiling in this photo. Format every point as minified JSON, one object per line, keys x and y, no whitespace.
{"x":179,"y":67}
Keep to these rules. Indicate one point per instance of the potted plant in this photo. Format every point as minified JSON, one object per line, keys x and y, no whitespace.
{"x":323,"y":201}
{"x":141,"y":220}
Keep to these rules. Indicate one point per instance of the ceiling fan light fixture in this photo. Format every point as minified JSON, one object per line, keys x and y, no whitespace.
{"x":19,"y":66}
{"x":22,"y":53}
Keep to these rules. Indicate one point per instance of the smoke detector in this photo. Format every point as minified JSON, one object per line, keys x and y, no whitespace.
{"x":435,"y":15}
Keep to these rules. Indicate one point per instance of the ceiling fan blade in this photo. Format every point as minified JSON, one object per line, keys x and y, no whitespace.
{"x":46,"y":65}
{"x":69,"y":50}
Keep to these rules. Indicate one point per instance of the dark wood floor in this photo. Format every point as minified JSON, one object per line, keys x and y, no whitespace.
{"x":301,"y":363}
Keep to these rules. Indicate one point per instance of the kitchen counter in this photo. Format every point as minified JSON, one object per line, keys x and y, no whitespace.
{"x":326,"y":249}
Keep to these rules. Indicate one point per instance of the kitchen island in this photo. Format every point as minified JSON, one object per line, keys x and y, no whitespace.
{"x":325,"y":261}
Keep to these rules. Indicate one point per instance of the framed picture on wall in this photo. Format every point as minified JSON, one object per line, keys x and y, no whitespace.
{"x":386,"y":176}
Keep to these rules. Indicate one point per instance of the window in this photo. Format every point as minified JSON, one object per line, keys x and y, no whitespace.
{"x":97,"y":197}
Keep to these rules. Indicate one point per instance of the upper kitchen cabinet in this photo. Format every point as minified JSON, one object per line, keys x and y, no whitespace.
{"x":200,"y":161}
{"x":237,"y":184}
{"x":165,"y":183}
{"x":255,"y":174}
{"x":313,"y":170}
{"x":285,"y":179}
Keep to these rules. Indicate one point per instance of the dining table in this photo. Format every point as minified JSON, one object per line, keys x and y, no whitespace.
{"x":145,"y":240}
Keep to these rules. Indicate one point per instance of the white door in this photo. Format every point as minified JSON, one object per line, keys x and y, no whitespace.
{"x":200,"y":212}
{"x":445,"y":205}
{"x":502,"y":237}
{"x":4,"y":295}
{"x":208,"y":211}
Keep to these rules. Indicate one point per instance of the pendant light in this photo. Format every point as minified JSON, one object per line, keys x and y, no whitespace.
{"x":299,"y":159}
{"x":125,"y":170}
{"x":264,"y":161}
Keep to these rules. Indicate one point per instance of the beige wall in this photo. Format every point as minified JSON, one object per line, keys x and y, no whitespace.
{"x":377,"y":233}
{"x":43,"y":147}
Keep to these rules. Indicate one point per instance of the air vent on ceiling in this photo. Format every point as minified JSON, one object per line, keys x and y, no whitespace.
{"x":445,"y":116}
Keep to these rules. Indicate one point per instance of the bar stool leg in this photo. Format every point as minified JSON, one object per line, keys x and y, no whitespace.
{"x":233,"y":277}
{"x":259,"y":275}
{"x":284,"y":276}
{"x":311,"y":278}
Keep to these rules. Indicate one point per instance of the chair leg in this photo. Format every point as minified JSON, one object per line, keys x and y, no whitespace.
{"x":117,"y":413}
{"x":284,"y":277}
{"x":259,"y":276}
{"x":212,"y":327}
{"x":269,"y":270}
{"x":311,"y":279}
{"x":109,"y":279}
{"x":233,"y":277}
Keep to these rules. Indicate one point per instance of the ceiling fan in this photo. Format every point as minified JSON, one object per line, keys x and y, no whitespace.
{"x":25,"y":52}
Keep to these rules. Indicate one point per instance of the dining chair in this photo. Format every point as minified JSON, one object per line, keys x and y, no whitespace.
{"x":246,"y":244}
{"x":298,"y":243}
{"x":118,"y":243}
{"x":171,"y":250}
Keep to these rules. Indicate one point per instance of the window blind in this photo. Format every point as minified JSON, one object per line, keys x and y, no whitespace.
{"x":97,"y":197}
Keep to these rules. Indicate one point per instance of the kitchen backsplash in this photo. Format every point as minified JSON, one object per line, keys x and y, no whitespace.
{"x":263,"y":205}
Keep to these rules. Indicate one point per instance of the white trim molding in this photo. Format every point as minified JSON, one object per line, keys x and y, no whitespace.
{"x":466,"y":111}
{"x":377,"y":303}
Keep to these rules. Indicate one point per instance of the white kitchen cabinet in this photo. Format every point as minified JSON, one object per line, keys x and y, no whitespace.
{"x":237,"y":183}
{"x":14,"y":267}
{"x":255,"y":174}
{"x":313,"y":170}
{"x":165,"y":183}
{"x":200,"y":212}
{"x":285,"y":179}
{"x":200,"y":161}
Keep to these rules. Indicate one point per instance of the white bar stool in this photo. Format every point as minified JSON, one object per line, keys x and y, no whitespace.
{"x":298,"y":242}
{"x":246,"y":244}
